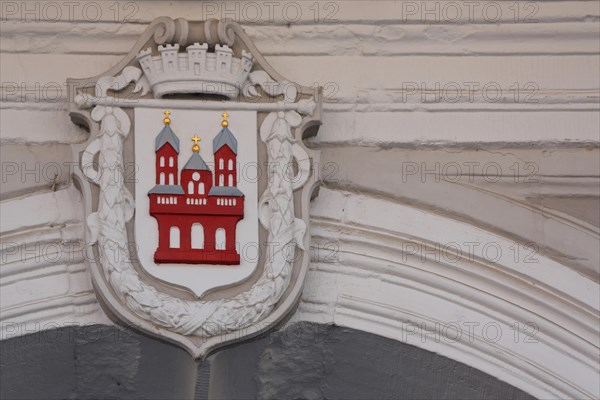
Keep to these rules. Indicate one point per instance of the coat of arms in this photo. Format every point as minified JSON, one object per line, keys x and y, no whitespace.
{"x":195,"y":199}
{"x":196,"y":184}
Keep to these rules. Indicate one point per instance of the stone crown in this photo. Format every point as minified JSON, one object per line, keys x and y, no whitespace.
{"x":196,"y":70}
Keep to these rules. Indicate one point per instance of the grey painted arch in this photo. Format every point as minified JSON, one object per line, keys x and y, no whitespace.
{"x":302,"y":361}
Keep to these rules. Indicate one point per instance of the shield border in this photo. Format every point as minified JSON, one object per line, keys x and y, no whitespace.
{"x":287,"y":115}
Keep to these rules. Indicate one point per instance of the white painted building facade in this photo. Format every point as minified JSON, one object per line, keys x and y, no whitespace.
{"x":460,"y":171}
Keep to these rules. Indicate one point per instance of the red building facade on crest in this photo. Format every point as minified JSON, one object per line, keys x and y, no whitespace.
{"x":197,"y":211}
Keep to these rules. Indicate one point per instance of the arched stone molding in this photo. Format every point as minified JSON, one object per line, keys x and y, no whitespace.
{"x":500,"y":190}
{"x":45,"y":282}
{"x":530,"y":321}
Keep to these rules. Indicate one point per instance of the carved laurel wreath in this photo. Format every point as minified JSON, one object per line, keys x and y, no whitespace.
{"x":116,"y":206}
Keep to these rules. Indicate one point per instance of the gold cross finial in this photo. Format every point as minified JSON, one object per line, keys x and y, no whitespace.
{"x":196,"y":147}
{"x":225,"y":123}
{"x":167,"y":120}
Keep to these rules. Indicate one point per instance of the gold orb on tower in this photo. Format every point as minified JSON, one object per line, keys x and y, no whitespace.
{"x":196,"y":147}
{"x":224,"y":123}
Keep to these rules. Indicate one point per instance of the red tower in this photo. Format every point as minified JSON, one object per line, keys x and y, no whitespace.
{"x":197,"y":219}
{"x":167,"y":150}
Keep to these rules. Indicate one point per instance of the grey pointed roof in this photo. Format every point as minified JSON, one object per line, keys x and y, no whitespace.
{"x":225,"y":137}
{"x":197,"y":163}
{"x":225,"y":191}
{"x":166,"y":136}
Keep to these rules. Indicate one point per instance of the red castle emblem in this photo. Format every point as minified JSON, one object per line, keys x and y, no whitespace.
{"x":197,"y":212}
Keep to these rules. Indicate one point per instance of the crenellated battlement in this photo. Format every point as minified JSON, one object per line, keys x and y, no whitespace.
{"x":196,"y":70}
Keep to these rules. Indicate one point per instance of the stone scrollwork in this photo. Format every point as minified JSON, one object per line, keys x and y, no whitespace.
{"x":167,"y":30}
{"x":286,"y":110}
{"x":115,"y":207}
{"x":272,"y":88}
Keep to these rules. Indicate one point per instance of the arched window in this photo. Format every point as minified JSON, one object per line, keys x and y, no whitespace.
{"x":162,"y":178}
{"x":170,"y":161}
{"x":174,"y":237}
{"x":171,"y":179}
{"x":201,"y":188}
{"x":220,"y":239}
{"x":191,"y":187}
{"x":221,"y":180}
{"x":162,"y":161}
{"x":197,"y":236}
{"x":230,"y":180}
{"x":221,"y":163}
{"x":230,"y":165}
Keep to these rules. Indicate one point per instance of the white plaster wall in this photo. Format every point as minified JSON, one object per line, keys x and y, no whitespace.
{"x":440,"y":132}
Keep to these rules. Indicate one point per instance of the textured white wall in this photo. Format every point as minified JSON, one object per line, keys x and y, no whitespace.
{"x":460,"y":168}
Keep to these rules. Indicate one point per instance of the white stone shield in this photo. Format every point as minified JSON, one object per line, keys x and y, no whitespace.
{"x":158,"y":216}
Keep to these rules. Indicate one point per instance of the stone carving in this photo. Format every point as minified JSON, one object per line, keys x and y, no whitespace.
{"x":195,"y":71}
{"x":107,"y":227}
{"x":272,"y":88}
{"x":123,"y":288}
